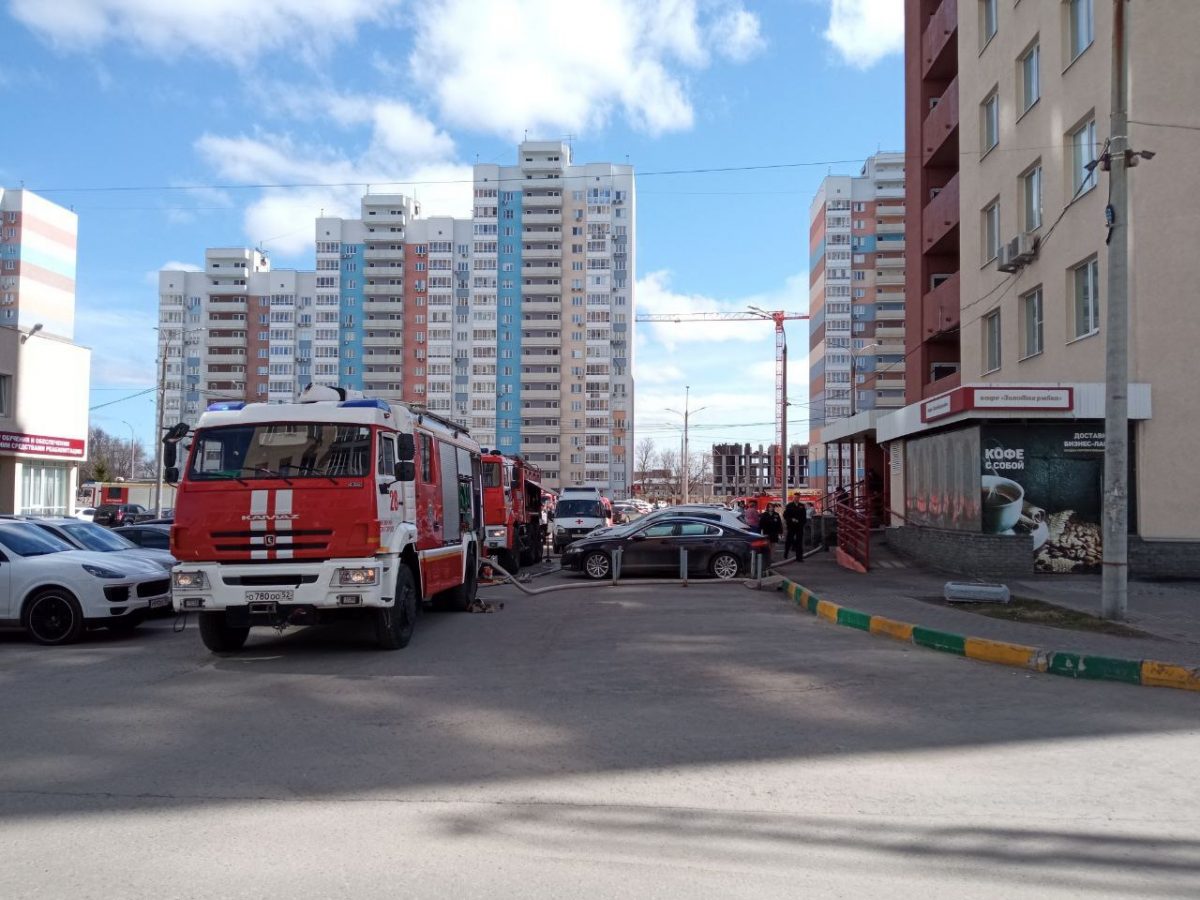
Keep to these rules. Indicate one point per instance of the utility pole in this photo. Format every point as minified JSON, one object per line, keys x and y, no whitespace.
{"x":132,"y":451}
{"x":783,"y":435}
{"x":1115,"y":578}
{"x":686,"y":392}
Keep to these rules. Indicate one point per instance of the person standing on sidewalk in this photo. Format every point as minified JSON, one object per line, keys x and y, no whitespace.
{"x":794,"y":517}
{"x":771,"y":524}
{"x":753,"y":517}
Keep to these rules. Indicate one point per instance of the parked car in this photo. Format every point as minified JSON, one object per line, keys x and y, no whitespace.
{"x":86,"y":514}
{"x":120,"y":514}
{"x":154,"y":534}
{"x":714,"y":513}
{"x":90,"y":536}
{"x":54,"y":591}
{"x":714,"y":548}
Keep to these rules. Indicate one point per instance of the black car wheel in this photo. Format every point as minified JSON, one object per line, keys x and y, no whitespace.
{"x":53,"y":616}
{"x":725,"y":566}
{"x":597,"y":566}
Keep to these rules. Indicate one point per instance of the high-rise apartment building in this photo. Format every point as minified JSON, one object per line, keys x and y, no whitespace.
{"x":43,"y":428}
{"x":857,"y":303}
{"x":516,"y":322}
{"x":1010,"y":452}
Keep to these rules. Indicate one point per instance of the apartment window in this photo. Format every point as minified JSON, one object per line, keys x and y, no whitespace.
{"x":1080,"y":26}
{"x":5,"y":395}
{"x":988,"y":20}
{"x":1032,"y":338}
{"x":990,"y":131}
{"x":1031,"y":82}
{"x":1086,"y":310}
{"x":991,"y":232}
{"x":1083,"y":151}
{"x":991,"y":341}
{"x":1031,"y":198}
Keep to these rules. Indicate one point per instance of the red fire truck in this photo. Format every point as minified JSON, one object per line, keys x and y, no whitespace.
{"x":337,"y":506}
{"x":512,"y":511}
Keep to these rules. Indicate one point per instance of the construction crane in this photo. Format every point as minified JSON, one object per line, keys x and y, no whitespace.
{"x":778,"y":316}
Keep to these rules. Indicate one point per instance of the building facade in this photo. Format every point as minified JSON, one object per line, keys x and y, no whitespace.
{"x":43,"y":428}
{"x":516,"y":322}
{"x":857,"y":303}
{"x":1026,"y":418}
{"x":740,"y":469}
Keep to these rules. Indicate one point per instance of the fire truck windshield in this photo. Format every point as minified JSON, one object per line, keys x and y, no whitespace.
{"x":281,"y":450}
{"x":491,"y":475}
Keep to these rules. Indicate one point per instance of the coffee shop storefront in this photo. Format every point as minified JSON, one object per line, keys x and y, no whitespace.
{"x":1004,"y":481}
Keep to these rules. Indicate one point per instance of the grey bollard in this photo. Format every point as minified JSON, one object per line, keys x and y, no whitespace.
{"x":616,"y":565}
{"x":683,"y":568}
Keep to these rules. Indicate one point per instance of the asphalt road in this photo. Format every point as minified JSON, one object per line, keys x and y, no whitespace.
{"x":636,"y":742}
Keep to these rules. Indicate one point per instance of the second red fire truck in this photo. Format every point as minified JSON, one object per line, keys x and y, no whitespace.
{"x":337,"y":506}
{"x":512,"y":511}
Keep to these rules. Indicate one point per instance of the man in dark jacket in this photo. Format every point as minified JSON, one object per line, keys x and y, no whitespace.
{"x":771,"y":524}
{"x":794,"y":516}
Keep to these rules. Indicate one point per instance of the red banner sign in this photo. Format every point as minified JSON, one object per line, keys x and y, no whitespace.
{"x":1008,"y":399}
{"x":40,"y":445}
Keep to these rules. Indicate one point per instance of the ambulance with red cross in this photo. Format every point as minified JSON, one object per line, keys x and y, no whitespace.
{"x":334,"y":507}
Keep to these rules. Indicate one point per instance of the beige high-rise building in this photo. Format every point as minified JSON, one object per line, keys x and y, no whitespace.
{"x":1015,"y":100}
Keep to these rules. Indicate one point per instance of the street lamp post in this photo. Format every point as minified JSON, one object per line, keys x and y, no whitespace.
{"x":132,"y":452}
{"x":686,"y":412}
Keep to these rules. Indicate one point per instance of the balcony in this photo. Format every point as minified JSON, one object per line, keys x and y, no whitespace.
{"x":383,"y":253}
{"x":381,"y":235}
{"x":882,"y":211}
{"x":540,"y":253}
{"x":939,"y":226}
{"x":889,"y":315}
{"x":382,"y":358}
{"x":530,"y":289}
{"x":536,"y":201}
{"x":940,"y":308}
{"x":381,"y":307}
{"x":541,"y":270}
{"x":889,"y":262}
{"x":389,"y":341}
{"x":378,"y":269}
{"x":541,"y":218}
{"x":939,"y":132}
{"x":890,"y":278}
{"x":372,"y":290}
{"x":939,"y":50}
{"x":890,"y":228}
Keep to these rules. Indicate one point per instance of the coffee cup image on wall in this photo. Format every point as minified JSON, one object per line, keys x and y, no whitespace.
{"x":1002,"y":500}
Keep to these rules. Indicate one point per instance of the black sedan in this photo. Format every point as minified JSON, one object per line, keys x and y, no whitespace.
{"x":713,"y":549}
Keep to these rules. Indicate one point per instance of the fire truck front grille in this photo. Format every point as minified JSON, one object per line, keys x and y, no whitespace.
{"x":304,"y":540}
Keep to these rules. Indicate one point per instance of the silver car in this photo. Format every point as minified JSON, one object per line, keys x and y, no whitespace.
{"x":97,"y":538}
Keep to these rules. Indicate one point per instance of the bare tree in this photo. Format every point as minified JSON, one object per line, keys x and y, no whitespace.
{"x":668,"y":462}
{"x":109,"y":457}
{"x":643,"y":459}
{"x":700,"y":475}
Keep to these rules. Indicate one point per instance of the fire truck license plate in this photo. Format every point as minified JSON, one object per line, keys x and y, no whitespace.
{"x":270,"y":596}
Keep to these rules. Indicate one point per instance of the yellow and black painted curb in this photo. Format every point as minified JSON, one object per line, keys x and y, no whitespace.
{"x":1147,"y":672}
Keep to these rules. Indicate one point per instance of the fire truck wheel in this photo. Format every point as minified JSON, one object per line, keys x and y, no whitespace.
{"x":509,"y":561}
{"x":219,"y":637}
{"x":597,"y":566}
{"x":459,"y":599}
{"x":394,"y":626}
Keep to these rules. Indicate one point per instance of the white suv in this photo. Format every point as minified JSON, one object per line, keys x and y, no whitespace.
{"x":54,"y":591}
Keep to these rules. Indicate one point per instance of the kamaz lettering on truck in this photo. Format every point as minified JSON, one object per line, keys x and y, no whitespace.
{"x":334,"y":507}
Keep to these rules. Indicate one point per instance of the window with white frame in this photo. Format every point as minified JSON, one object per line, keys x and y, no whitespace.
{"x":991,"y":341}
{"x":990,"y":121}
{"x":1086,"y":309}
{"x":1080,"y":26}
{"x":1031,"y":199}
{"x":1032,"y":336}
{"x":1031,"y":77}
{"x":991,"y":231}
{"x":1083,"y":152}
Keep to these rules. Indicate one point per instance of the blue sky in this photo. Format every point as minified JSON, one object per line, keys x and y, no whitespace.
{"x":200,"y":100}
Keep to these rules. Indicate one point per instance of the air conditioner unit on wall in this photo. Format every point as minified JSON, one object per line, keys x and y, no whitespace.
{"x":1020,"y":251}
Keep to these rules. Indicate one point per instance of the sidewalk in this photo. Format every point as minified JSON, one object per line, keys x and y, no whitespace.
{"x":1168,"y":613}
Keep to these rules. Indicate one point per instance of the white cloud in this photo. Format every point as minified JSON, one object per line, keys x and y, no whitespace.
{"x":232,"y":31}
{"x":865,"y":31}
{"x":404,"y":152}
{"x":571,"y":66}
